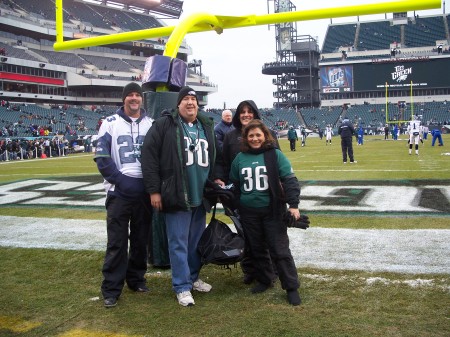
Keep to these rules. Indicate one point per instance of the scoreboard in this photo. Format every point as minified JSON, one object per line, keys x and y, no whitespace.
{"x":398,"y":73}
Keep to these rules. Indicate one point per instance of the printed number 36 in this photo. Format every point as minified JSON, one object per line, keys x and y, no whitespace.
{"x":256,"y":180}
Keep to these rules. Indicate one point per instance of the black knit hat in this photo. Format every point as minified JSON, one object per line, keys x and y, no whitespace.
{"x":131,"y":87}
{"x":186,"y":91}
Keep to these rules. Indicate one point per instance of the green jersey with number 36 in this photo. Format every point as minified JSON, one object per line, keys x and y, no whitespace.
{"x":250,"y":170}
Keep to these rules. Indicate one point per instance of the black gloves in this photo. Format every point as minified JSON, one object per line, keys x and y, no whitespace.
{"x":290,"y":221}
{"x":215,"y":193}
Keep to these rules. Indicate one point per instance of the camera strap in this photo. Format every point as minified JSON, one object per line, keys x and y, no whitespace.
{"x":192,"y":142}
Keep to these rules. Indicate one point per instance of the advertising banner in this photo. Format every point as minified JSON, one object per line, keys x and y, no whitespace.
{"x":399,"y":73}
{"x":336,"y":78}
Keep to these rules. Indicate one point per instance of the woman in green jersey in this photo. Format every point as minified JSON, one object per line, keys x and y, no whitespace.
{"x":266,"y":184}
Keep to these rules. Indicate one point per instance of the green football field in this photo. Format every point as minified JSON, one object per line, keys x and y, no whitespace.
{"x":48,"y":291}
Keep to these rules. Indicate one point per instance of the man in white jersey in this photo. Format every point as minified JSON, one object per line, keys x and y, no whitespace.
{"x":414,"y":130}
{"x":118,"y":158}
{"x":328,"y":134}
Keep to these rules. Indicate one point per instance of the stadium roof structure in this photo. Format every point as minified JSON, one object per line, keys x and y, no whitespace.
{"x":170,"y":8}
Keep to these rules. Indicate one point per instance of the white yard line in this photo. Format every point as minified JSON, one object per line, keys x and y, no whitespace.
{"x":404,"y":251}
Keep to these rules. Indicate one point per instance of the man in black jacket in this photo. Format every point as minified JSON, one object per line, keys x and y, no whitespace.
{"x":346,"y":130}
{"x":177,"y":158}
{"x":223,"y":127}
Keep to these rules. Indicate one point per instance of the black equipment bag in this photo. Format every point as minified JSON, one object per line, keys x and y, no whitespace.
{"x":219,"y":244}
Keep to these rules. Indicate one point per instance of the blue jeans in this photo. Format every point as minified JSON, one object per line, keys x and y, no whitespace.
{"x":184,"y":230}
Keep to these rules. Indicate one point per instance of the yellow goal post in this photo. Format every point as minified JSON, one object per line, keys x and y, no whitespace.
{"x":401,"y":113}
{"x":202,"y":22}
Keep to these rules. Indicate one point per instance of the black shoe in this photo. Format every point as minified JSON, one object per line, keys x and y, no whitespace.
{"x":248,"y":279}
{"x":293,"y":297}
{"x":110,"y":302}
{"x":141,"y":289}
{"x":260,"y":287}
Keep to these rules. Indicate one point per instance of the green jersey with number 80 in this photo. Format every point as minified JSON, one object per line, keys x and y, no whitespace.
{"x":250,"y":170}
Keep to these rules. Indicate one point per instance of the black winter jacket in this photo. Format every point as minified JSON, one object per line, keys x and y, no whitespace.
{"x":346,"y":129}
{"x":221,"y":130}
{"x":163,"y":160}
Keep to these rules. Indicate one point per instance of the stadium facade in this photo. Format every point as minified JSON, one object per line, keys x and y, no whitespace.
{"x":31,"y":72}
{"x":407,"y":55}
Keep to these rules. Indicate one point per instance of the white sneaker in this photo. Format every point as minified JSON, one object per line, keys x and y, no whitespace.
{"x":201,"y":286}
{"x":185,"y":299}
{"x":353,"y":162}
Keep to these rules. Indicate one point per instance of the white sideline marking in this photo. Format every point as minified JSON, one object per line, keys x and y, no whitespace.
{"x":404,"y":251}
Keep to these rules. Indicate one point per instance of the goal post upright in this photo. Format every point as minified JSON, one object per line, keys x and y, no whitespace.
{"x":203,"y":22}
{"x":402,"y":115}
{"x":386,"y":96}
{"x":412,"y":100}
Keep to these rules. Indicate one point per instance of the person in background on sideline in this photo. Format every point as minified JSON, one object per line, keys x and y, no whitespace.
{"x":258,"y":171}
{"x":304,"y":135}
{"x":386,"y":132}
{"x":177,"y":158}
{"x":328,"y":134}
{"x":292,"y":137}
{"x":346,"y":130}
{"x":87,"y":145}
{"x":425,"y":132}
{"x":246,"y":111}
{"x":118,"y":158}
{"x":436,"y":133}
{"x":223,"y":127}
{"x":320,"y":133}
{"x":395,"y":132}
{"x":360,"y":135}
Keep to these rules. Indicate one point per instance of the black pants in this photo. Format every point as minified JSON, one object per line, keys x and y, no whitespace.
{"x":292,"y":144}
{"x":247,"y":264}
{"x":347,"y":147}
{"x":263,"y":231}
{"x":119,"y":265}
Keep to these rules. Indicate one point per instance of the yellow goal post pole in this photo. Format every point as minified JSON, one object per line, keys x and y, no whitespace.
{"x":412,"y":100}
{"x":204,"y":22}
{"x":386,"y":96}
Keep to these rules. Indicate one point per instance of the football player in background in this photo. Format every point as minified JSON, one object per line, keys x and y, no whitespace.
{"x":328,"y":134}
{"x":414,"y":130}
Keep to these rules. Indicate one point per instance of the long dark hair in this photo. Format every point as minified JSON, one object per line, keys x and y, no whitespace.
{"x":257,"y":124}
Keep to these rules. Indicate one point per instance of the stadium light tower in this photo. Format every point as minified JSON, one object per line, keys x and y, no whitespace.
{"x":297,"y":63}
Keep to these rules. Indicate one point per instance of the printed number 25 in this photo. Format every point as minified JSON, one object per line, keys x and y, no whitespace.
{"x":125,"y":143}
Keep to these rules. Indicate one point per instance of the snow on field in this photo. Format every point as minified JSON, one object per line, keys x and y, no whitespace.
{"x":404,"y":251}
